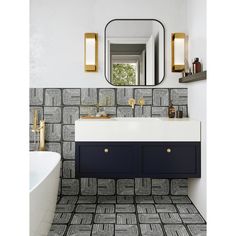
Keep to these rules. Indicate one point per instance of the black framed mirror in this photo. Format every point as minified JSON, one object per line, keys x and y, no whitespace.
{"x":134,"y":52}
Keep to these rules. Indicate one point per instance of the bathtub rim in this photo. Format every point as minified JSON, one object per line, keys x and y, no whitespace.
{"x":58,"y":160}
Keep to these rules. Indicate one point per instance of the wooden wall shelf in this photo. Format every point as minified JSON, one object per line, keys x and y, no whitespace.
{"x":195,"y":77}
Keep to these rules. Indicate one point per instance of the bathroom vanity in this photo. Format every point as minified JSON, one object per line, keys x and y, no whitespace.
{"x":138,"y":147}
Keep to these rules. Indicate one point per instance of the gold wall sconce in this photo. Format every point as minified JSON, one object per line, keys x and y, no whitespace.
{"x":178,"y":52}
{"x":91,"y":52}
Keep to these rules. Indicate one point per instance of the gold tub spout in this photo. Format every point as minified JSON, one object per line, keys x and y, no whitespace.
{"x":39,"y":129}
{"x":42,"y":135}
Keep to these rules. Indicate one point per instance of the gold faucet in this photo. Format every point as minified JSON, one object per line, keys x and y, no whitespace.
{"x":132,"y":102}
{"x":39,"y":129}
{"x":141,"y":101}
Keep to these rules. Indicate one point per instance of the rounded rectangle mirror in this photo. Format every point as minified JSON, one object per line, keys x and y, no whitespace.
{"x":134,"y":52}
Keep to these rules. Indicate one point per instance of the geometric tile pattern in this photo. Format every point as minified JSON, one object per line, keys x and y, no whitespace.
{"x":70,"y":114}
{"x":105,"y":219}
{"x":36,"y":96}
{"x":68,"y":132}
{"x":88,"y":186}
{"x":89,"y":96}
{"x":179,"y":187}
{"x":125,"y":208}
{"x":71,"y":96}
{"x":61,"y":218}
{"x":162,"y":199}
{"x":123,"y":95}
{"x":82,"y":219}
{"x":170,"y":218}
{"x":179,"y":96}
{"x":186,"y":208}
{"x":57,"y":230}
{"x":129,"y":230}
{"x":86,"y":215}
{"x":149,"y":218}
{"x":197,"y":230}
{"x":105,"y":208}
{"x":52,"y":114}
{"x":144,"y":199}
{"x":142,"y":186}
{"x":103,"y":229}
{"x":144,"y":93}
{"x":151,"y":230}
{"x":161,"y":97}
{"x":52,"y":97}
{"x":164,"y":208}
{"x":159,"y":111}
{"x":106,"y":97}
{"x":160,"y":186}
{"x":178,"y":229}
{"x":125,"y":187}
{"x":106,"y":186}
{"x":144,"y":111}
{"x":126,"y":219}
{"x":180,"y":199}
{"x":192,"y":218}
{"x":125,"y":111}
{"x":76,"y":230}
{"x":60,"y":107}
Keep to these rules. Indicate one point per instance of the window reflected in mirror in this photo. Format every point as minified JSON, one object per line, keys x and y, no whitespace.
{"x":134,"y":52}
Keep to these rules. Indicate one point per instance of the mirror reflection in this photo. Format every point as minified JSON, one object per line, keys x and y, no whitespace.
{"x":134,"y":52}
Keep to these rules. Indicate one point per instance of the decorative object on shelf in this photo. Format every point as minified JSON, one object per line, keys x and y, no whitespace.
{"x":171,"y":110}
{"x":179,"y":113}
{"x":178,"y":51}
{"x":194,"y":77}
{"x":91,"y":52}
{"x":196,"y":65}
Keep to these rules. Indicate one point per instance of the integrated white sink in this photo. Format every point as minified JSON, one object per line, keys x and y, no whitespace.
{"x":137,"y":129}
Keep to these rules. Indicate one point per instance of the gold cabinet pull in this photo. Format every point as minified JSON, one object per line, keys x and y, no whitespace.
{"x":106,"y":150}
{"x":168,"y":150}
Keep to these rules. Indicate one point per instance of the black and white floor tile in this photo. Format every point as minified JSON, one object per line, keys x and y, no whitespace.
{"x":125,"y":215}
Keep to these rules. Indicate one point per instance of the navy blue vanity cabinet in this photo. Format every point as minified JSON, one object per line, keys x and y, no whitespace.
{"x":171,"y":159}
{"x":138,"y":159}
{"x":106,"y":160}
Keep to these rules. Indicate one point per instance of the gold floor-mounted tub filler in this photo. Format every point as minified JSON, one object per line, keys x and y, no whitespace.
{"x":39,"y":129}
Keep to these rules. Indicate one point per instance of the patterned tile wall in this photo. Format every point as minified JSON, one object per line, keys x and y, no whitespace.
{"x":61,"y":107}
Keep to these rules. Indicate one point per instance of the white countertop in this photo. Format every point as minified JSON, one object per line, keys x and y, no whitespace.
{"x":137,"y":129}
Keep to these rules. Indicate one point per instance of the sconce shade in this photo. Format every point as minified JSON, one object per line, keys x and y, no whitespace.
{"x":178,"y":52}
{"x":90,"y":52}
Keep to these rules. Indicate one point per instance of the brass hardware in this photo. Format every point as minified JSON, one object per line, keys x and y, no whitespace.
{"x":35,"y":122}
{"x":39,"y":129}
{"x":132,"y":102}
{"x":141,"y":101}
{"x":91,"y":65}
{"x":106,"y":150}
{"x":177,"y":67}
{"x":168,"y":150}
{"x":42,"y":135}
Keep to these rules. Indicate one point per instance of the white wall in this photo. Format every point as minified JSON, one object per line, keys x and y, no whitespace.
{"x":128,"y":29}
{"x":196,"y":19}
{"x":58,"y":27}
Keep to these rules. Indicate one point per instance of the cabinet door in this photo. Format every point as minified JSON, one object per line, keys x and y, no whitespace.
{"x":170,"y":159}
{"x":107,"y":159}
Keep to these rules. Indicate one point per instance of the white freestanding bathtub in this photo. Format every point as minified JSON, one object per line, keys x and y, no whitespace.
{"x":44,"y":182}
